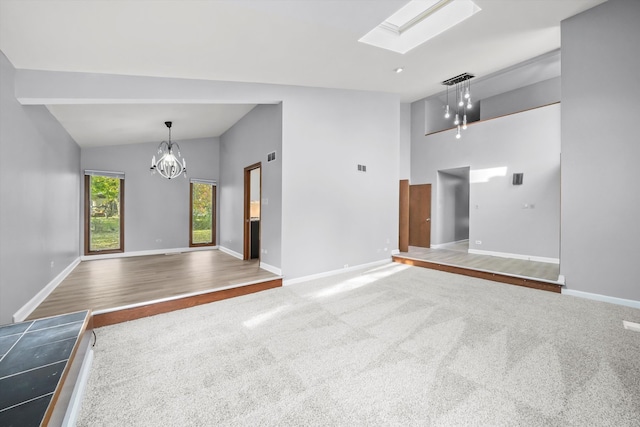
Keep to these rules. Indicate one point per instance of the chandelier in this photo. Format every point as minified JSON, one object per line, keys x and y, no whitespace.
{"x":463,"y":100}
{"x":168,"y":165}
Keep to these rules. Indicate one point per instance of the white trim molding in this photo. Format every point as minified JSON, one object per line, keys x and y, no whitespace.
{"x":442,"y":245}
{"x":516,"y":256}
{"x":230,"y":252}
{"x":73,"y":410}
{"x":287,"y":282}
{"x":395,"y":252}
{"x":170,"y":251}
{"x":270,"y":268}
{"x":34,"y":302}
{"x":603,"y":298}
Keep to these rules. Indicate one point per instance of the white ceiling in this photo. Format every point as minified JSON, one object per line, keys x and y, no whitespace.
{"x":100,"y":125}
{"x":294,"y":42}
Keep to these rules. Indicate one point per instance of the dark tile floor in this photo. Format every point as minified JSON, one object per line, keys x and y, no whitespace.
{"x":33,"y":356}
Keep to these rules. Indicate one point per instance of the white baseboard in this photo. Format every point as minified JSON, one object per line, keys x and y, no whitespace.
{"x":516,"y":256}
{"x":34,"y":302}
{"x":148,"y":252}
{"x":603,"y":298}
{"x":395,"y":251}
{"x":288,"y":282}
{"x":441,"y":245}
{"x":271,"y":268}
{"x":230,"y":252}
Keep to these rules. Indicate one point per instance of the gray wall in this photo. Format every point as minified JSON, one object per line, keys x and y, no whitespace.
{"x":39,"y":196}
{"x":601,"y":150}
{"x":542,"y":93}
{"x":248,"y":142}
{"x":405,"y":141}
{"x":527,"y":142}
{"x":453,"y":202}
{"x":334,"y":216}
{"x":156,"y":209}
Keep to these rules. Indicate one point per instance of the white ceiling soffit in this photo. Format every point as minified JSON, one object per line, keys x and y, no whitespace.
{"x":417,"y":22}
{"x":100,"y":125}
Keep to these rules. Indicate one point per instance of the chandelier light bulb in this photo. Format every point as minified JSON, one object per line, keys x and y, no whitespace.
{"x":458,"y":133}
{"x":466,"y":93}
{"x":447,"y":114}
{"x":457,"y":120}
{"x":464,"y":122}
{"x":469,"y":105}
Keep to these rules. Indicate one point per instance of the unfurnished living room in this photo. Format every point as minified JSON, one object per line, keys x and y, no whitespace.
{"x":319,"y":212}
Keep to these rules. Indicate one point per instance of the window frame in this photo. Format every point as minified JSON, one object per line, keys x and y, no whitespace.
{"x":214,"y":213}
{"x":87,"y":212}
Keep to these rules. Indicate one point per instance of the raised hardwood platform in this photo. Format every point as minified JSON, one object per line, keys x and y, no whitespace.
{"x":124,"y":314}
{"x":545,"y":285}
{"x":128,"y":288}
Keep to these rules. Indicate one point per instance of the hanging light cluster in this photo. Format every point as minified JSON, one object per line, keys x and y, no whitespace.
{"x":462,"y":86}
{"x":168,"y":164}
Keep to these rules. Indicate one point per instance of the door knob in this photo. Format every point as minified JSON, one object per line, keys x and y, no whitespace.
{"x":428,"y":219}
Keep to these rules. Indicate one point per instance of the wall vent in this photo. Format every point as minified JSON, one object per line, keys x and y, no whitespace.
{"x":517,"y":178}
{"x":271,"y":156}
{"x":362,"y":168}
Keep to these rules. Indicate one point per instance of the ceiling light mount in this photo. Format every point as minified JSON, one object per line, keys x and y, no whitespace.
{"x":168,"y":165}
{"x":462,"y":83}
{"x":458,"y":79}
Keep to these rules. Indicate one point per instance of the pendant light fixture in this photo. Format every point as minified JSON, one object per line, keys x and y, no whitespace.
{"x":462,"y":87}
{"x":168,"y":164}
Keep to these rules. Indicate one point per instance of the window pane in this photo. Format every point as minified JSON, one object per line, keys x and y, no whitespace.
{"x":202,"y":214}
{"x":104,"y":225}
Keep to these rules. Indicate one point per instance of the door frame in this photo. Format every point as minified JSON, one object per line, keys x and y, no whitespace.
{"x":246,"y":254}
{"x":403,"y":237}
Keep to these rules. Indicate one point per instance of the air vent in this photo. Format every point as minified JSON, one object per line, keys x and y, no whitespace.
{"x":271,"y":156}
{"x":517,"y":178}
{"x":362,"y":168}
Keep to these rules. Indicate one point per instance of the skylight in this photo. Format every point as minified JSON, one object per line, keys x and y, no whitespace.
{"x":417,"y":22}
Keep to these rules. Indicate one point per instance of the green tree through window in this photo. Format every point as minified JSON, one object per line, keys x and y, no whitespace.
{"x":104,"y":214}
{"x":202,"y":214}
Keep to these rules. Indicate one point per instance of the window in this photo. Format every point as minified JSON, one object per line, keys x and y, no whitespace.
{"x":202,"y":223}
{"x":103,"y":212}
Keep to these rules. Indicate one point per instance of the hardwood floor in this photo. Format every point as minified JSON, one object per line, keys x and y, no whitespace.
{"x":455,"y":259}
{"x":109,"y":285}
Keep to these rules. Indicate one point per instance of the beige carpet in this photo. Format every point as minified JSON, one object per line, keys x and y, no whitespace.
{"x":397,"y":345}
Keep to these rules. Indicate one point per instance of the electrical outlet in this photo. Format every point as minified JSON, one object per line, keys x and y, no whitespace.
{"x":478,"y":242}
{"x":346,"y":266}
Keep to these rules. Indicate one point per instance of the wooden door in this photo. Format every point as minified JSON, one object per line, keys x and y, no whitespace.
{"x":403,"y":237}
{"x":420,"y":215}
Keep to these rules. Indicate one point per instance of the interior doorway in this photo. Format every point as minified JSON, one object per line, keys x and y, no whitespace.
{"x":252,"y":215}
{"x":453,"y":205}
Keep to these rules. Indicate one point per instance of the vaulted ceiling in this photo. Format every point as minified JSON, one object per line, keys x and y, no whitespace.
{"x":293,"y":42}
